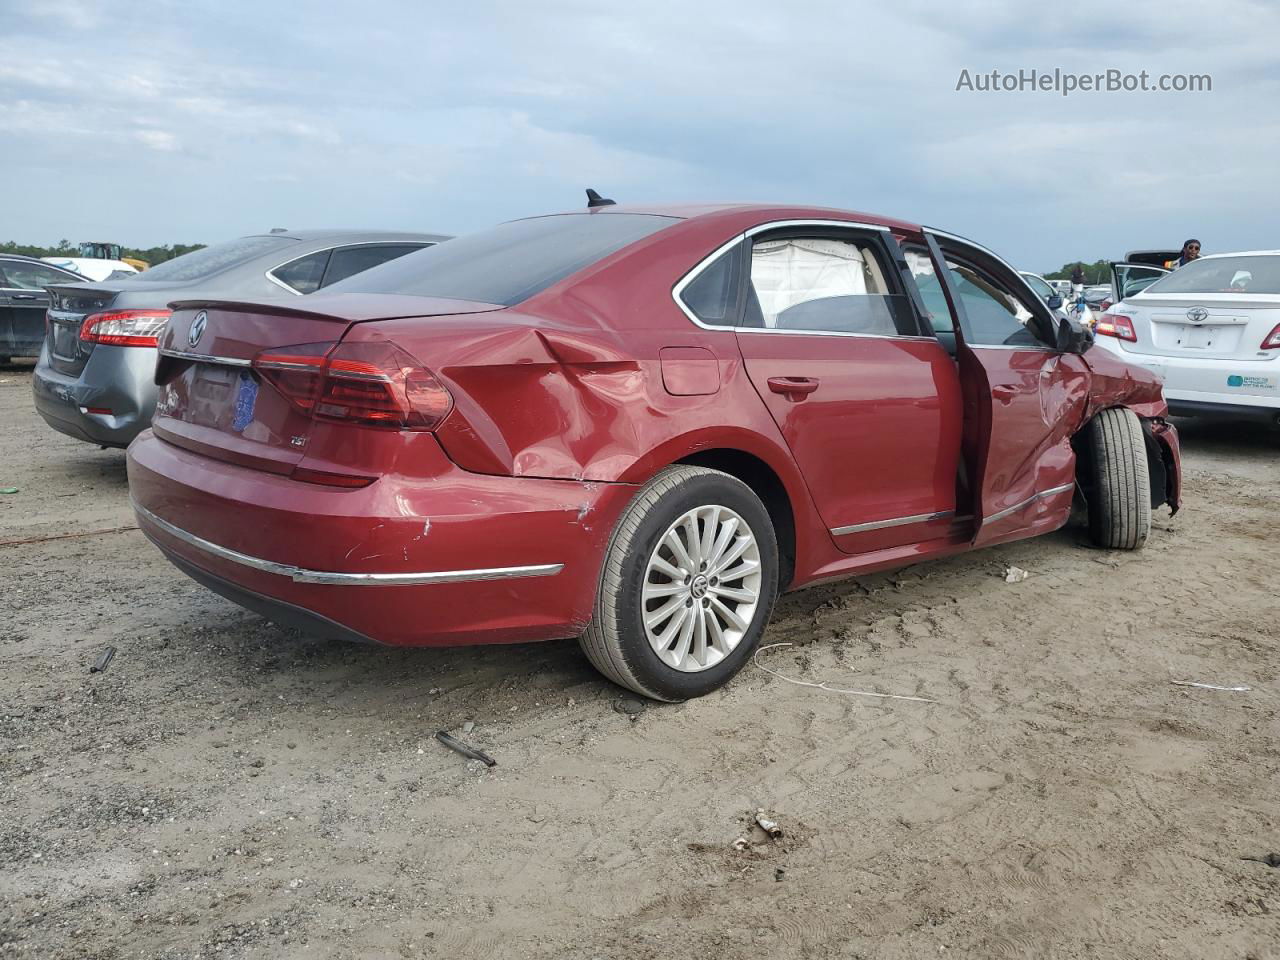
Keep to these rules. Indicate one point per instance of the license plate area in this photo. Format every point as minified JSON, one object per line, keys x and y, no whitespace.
{"x":66,"y":339}
{"x":214,"y":395}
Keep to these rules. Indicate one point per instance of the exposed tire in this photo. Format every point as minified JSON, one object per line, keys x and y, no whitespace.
{"x":1120,"y":488}
{"x":644,"y":575}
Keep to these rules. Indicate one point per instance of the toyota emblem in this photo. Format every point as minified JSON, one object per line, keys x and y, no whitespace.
{"x":197,"y":328}
{"x":1197,"y":314}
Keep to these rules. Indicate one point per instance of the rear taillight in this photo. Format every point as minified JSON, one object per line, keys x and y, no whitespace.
{"x":376,"y":384}
{"x":1272,"y":340}
{"x":125,"y":328}
{"x":1116,"y":325}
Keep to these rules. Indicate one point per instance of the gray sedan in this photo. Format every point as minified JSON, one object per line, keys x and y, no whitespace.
{"x":95,"y":377}
{"x":23,"y":302}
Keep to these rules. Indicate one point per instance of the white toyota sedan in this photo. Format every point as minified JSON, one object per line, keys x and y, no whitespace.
{"x":1210,"y":329}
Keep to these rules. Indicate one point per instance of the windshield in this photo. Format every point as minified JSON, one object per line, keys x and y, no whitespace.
{"x":510,"y":262}
{"x":210,"y":260}
{"x":1255,"y":274}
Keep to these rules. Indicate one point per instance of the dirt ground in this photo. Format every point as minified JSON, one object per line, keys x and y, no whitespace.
{"x":227,"y":789}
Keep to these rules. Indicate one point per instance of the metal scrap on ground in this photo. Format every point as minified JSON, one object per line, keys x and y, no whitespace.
{"x":456,"y":745}
{"x":104,"y":660}
{"x":1210,"y":686}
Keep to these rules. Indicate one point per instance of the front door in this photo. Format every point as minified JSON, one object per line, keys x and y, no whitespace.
{"x":1128,"y":278}
{"x":1023,"y":398}
{"x":868,"y":401}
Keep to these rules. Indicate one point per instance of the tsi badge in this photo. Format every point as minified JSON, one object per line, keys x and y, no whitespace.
{"x":197,"y":328}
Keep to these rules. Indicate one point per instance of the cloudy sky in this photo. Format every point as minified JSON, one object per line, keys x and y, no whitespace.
{"x":196,"y":121}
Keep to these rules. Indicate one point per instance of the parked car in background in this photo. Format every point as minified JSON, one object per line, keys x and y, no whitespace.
{"x":1210,"y":330}
{"x":1051,"y":297}
{"x":94,"y":268}
{"x":95,"y":376}
{"x":633,"y":426}
{"x":1129,"y":277}
{"x":23,"y":302}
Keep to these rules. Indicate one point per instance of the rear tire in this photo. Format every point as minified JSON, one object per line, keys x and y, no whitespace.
{"x":1120,"y":505}
{"x":719,"y":586}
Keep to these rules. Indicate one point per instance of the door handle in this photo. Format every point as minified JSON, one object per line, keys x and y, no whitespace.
{"x":795,"y":387}
{"x":1004,"y":393}
{"x":25,"y":296}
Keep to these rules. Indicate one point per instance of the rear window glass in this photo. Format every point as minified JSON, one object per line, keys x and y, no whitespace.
{"x":1223,"y":275}
{"x":510,"y":262}
{"x":206,"y":262}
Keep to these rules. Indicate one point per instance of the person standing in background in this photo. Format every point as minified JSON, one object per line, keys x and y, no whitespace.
{"x":1190,"y":251}
{"x":1077,"y":281}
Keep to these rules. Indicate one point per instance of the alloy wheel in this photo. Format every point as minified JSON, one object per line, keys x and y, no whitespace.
{"x":701,"y":588}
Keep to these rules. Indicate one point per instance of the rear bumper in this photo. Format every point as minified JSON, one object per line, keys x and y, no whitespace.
{"x":1231,"y":385}
{"x":1225,"y":411}
{"x":119,"y":379}
{"x":458,"y":559}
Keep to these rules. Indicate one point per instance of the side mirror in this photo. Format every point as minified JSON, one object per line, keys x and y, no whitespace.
{"x":1054,"y":301}
{"x":1072,"y":337}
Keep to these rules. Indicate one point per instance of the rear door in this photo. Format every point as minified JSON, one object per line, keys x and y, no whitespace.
{"x":866,"y":398}
{"x":23,"y":304}
{"x":1023,"y":398}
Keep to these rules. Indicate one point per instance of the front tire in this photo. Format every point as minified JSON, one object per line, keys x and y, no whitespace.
{"x":689,"y":581}
{"x":1120,"y":505}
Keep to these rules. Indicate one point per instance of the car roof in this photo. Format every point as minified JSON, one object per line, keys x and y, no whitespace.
{"x":349,"y":235}
{"x":26,"y":259}
{"x":760,"y":211}
{"x":1242,"y":253}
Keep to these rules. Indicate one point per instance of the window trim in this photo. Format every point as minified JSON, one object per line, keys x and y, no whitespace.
{"x":71,"y":276}
{"x":962,"y":320}
{"x":270,"y":274}
{"x":771,"y":225}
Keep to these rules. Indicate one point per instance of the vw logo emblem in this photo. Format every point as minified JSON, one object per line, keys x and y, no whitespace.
{"x":1197,"y":314}
{"x":197,"y":328}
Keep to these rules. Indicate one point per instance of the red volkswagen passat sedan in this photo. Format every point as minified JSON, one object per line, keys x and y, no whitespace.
{"x":634,"y":426}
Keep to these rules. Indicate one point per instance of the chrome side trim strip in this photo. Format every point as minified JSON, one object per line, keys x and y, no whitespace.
{"x":206,"y":358}
{"x":300,"y":575}
{"x":1031,"y":499}
{"x":838,"y":333}
{"x":895,"y":522}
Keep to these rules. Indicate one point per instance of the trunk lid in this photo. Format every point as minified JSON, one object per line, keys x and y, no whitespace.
{"x":1204,"y":326}
{"x":214,"y":402}
{"x":69,"y":304}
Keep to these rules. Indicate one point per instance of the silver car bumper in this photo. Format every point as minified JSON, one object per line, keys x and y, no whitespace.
{"x":116,"y":379}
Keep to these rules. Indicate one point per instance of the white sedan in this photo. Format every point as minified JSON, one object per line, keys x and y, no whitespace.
{"x":1210,"y":329}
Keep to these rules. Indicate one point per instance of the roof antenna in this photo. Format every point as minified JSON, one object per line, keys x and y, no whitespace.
{"x":595,"y":200}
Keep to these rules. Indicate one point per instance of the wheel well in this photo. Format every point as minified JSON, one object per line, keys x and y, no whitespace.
{"x":766,"y":485}
{"x":1159,"y":461}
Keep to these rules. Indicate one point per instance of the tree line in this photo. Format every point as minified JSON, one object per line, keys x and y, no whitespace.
{"x":1097,"y":272}
{"x":152,"y":255}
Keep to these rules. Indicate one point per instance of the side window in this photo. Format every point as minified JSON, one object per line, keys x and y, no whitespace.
{"x":823,"y":284}
{"x":348,"y":261}
{"x":713,"y":294}
{"x":32,"y":276}
{"x":996,"y":316}
{"x":304,"y":274}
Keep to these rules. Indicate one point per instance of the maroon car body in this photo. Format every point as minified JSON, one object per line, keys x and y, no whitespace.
{"x":488,"y":519}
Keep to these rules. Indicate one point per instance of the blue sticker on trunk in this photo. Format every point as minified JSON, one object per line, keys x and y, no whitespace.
{"x":246,"y":398}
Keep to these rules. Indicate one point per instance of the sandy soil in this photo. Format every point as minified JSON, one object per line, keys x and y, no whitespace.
{"x":229,"y":790}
